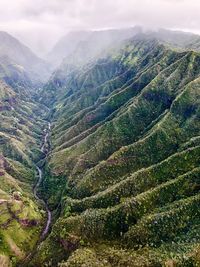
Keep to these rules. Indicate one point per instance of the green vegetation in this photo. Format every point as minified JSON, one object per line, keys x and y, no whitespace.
{"x":21,"y":218}
{"x":123,"y":175}
{"x":125,"y":139}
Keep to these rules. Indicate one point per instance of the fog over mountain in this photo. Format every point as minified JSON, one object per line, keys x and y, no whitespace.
{"x":99,"y":133}
{"x":40,"y":24}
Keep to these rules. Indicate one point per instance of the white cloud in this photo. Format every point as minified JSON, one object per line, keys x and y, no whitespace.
{"x":40,"y":23}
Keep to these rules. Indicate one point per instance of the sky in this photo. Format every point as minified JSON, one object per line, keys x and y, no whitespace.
{"x":40,"y":23}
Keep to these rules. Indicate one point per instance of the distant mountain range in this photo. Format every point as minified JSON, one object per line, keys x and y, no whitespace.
{"x":87,"y":44}
{"x":18,"y":62}
{"x":75,"y":48}
{"x":84,"y":45}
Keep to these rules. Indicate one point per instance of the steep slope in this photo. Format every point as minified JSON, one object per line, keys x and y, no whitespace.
{"x":178,"y":39}
{"x":21,"y":218}
{"x":81,"y":46}
{"x":125,"y":143}
{"x":19,"y":61}
{"x":66,"y":46}
{"x":78,"y":49}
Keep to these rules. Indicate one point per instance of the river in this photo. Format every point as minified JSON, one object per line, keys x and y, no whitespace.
{"x":39,"y":198}
{"x":39,"y":181}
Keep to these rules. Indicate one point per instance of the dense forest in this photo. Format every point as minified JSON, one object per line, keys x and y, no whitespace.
{"x":100,"y":151}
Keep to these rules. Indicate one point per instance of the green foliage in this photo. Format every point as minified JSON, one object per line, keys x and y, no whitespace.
{"x":123,"y":173}
{"x":125,"y":144}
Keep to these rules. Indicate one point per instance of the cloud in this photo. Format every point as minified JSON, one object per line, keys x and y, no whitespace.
{"x":40,"y":23}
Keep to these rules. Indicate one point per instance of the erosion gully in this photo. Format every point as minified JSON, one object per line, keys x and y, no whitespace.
{"x":39,"y":198}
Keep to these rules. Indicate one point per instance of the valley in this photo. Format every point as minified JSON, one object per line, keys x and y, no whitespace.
{"x":44,"y":149}
{"x":40,"y":174}
{"x":100,"y":164}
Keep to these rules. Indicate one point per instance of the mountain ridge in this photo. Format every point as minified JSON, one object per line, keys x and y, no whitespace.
{"x":19,"y":54}
{"x":119,"y":145}
{"x":121,"y":178}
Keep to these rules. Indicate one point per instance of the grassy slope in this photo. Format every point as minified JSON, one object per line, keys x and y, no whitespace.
{"x":127,"y":144}
{"x":21,"y":218}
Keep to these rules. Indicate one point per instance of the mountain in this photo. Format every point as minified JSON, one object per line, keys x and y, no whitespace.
{"x":18,"y":61}
{"x":178,"y":39}
{"x":21,"y":129}
{"x":81,"y":46}
{"x":106,"y":153}
{"x":84,"y":45}
{"x":97,"y":44}
{"x":21,"y":218}
{"x":124,"y":163}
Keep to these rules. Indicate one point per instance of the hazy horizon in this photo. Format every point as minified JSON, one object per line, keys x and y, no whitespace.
{"x":40,"y":25}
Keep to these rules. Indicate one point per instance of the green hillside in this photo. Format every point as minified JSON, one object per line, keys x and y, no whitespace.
{"x":21,"y":218}
{"x":125,"y":143}
{"x":115,"y":137}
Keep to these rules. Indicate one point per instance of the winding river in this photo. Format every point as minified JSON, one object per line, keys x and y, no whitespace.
{"x":49,"y":216}
{"x":44,"y":149}
{"x":39,"y":181}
